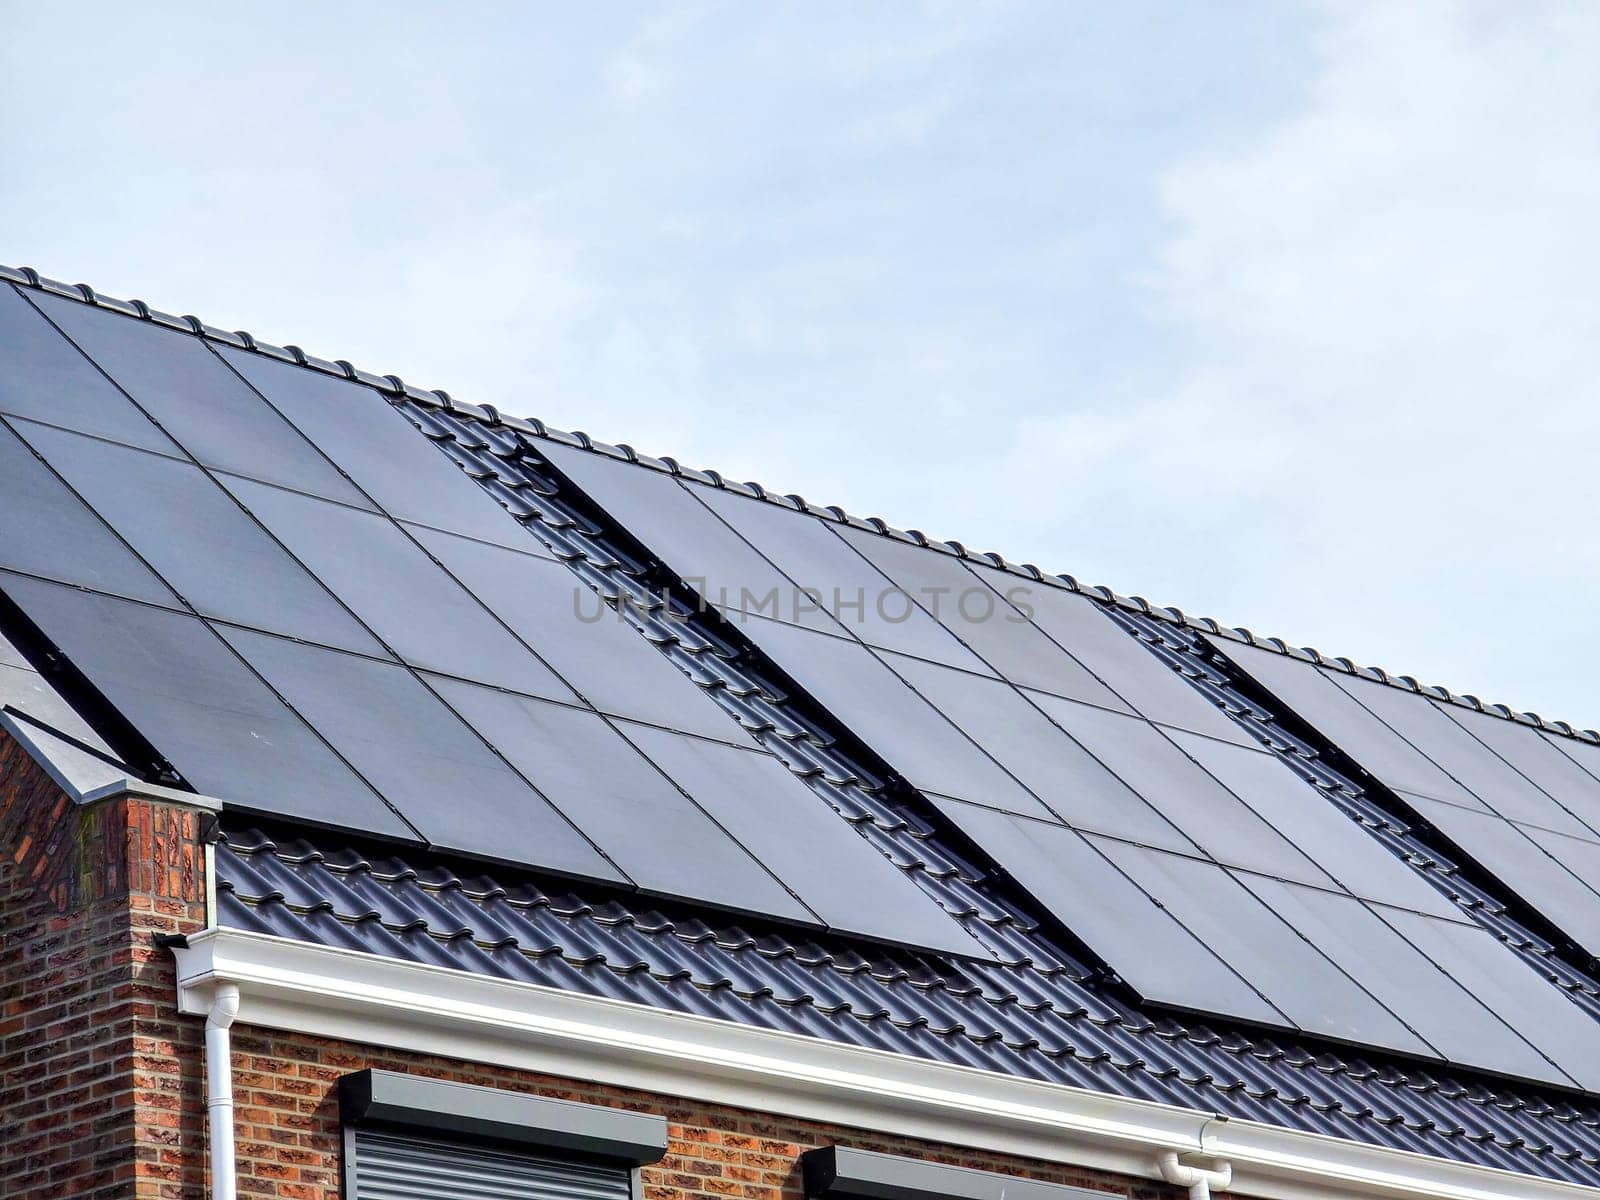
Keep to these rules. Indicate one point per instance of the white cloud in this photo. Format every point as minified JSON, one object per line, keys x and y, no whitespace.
{"x":1393,"y":387}
{"x":1304,"y":341}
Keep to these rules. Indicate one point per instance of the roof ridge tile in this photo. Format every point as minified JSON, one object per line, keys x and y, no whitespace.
{"x":393,"y":386}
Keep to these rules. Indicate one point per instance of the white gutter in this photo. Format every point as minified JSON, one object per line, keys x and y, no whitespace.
{"x":224,"y":1008}
{"x":366,"y":998}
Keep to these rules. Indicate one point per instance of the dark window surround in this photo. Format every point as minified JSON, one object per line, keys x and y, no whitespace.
{"x":436,"y":1106}
{"x":839,"y":1172}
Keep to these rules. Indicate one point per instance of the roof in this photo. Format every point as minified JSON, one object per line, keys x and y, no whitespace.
{"x":393,"y":385}
{"x":1045,"y":1007}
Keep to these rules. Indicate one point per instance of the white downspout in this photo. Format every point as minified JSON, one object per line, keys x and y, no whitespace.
{"x":1198,"y":1180}
{"x":219,"y":1091}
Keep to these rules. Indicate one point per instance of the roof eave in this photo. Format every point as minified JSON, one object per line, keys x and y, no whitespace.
{"x":356,"y":996}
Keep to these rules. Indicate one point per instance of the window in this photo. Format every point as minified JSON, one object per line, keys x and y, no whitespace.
{"x":841,"y":1173}
{"x":407,"y":1138}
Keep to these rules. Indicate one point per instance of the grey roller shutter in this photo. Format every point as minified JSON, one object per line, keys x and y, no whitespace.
{"x":403,"y":1166}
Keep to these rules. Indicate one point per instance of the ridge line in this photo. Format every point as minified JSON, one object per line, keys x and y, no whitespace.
{"x":394,"y":386}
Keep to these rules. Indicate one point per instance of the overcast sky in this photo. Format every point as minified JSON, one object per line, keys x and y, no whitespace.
{"x":1284,"y":315}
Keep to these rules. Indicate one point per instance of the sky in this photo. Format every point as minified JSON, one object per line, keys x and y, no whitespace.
{"x":1281,"y":314}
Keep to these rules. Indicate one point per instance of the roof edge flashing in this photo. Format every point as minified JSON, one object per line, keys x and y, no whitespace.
{"x":43,"y":746}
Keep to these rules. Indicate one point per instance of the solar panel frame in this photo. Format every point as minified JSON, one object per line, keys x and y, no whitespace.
{"x":50,"y":532}
{"x":812,"y":556}
{"x":227,"y":732}
{"x":603,"y":660}
{"x":197,"y":399}
{"x":1278,"y":960}
{"x":1069,"y":875}
{"x":372,"y":443}
{"x":818,"y":533}
{"x":421,"y":756}
{"x":398,"y":592}
{"x":199,"y":540}
{"x":583,"y":765}
{"x":1015,"y":648}
{"x":1427,"y":998}
{"x":48,"y":379}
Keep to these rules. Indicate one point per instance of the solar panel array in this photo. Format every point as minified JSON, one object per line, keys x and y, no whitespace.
{"x":310,"y":612}
{"x":1151,"y":824}
{"x":1521,"y":802}
{"x":305,"y":608}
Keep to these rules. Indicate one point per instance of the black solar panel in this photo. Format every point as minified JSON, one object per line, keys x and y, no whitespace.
{"x":1438,"y":1007}
{"x":1519,"y":831}
{"x":664,"y":516}
{"x":616,"y":796}
{"x":198,"y":538}
{"x":830,"y":867}
{"x":388,"y":581}
{"x":1463,"y":757}
{"x":46,"y":378}
{"x":859,"y":596}
{"x":48,"y":531}
{"x":378,"y":449}
{"x":340,"y":625}
{"x":607,"y":663}
{"x":1222,"y":825}
{"x":1271,"y":954}
{"x":982,"y":617}
{"x":1338,"y":716}
{"x":198,"y":400}
{"x":218,"y":723}
{"x":1539,"y":760}
{"x":879,"y":707}
{"x":1109,"y":912}
{"x":1149,"y":688}
{"x":1136,"y":809}
{"x":419,"y":756}
{"x":1342,"y":850}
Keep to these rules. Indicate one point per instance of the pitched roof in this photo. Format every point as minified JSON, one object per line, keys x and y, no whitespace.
{"x":1045,"y":1007}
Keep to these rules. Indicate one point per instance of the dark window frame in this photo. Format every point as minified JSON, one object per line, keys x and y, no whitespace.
{"x":844,"y":1173}
{"x":475,"y":1115}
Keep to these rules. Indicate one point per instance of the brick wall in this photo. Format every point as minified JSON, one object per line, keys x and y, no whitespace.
{"x":101,"y":1081}
{"x":288,"y":1128}
{"x":99,"y":1078}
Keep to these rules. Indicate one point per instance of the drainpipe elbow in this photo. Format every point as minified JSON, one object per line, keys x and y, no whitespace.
{"x":224,"y":1007}
{"x":1199,"y":1180}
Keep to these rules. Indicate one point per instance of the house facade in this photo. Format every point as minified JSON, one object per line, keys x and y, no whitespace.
{"x":399,"y":798}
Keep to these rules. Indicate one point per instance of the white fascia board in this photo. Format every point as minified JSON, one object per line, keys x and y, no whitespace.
{"x":366,"y":998}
